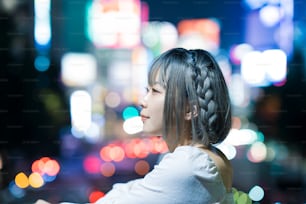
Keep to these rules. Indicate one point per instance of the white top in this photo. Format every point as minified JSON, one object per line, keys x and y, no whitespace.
{"x":188,"y":175}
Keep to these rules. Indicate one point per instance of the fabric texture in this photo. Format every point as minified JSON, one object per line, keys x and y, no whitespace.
{"x":188,"y":175}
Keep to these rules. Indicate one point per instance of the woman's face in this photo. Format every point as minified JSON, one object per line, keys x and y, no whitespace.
{"x":152,"y":109}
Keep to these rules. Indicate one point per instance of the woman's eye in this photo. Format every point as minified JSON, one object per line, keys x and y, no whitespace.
{"x":155,"y":90}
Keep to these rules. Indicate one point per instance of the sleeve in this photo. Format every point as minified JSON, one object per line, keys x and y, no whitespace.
{"x":159,"y":186}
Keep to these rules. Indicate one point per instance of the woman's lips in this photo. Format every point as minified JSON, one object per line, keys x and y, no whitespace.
{"x":144,"y":118}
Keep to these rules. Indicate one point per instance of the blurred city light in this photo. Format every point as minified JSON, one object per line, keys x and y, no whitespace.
{"x":93,"y":133}
{"x":36,"y":180}
{"x":95,"y":195}
{"x":108,"y":169}
{"x":239,"y":91}
{"x":119,"y":74}
{"x":42,"y":63}
{"x":241,"y":137}
{"x":78,"y":69}
{"x":142,"y":167}
{"x":133,"y":125}
{"x":9,"y":5}
{"x":269,"y":25}
{"x":114,"y":23}
{"x":159,"y":36}
{"x":42,"y":22}
{"x":255,"y":4}
{"x":80,"y":110}
{"x":104,"y":78}
{"x":270,"y":15}
{"x":129,"y":112}
{"x":264,"y":68}
{"x":140,"y":58}
{"x":21,"y":180}
{"x":237,"y":52}
{"x":112,"y":99}
{"x":257,"y":152}
{"x":256,"y":193}
{"x":228,"y":150}
{"x":15,"y":190}
{"x":91,"y":164}
{"x":46,"y":165}
{"x":208,"y":31}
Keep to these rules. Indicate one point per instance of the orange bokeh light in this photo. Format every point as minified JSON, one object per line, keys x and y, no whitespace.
{"x":52,"y":167}
{"x":108,"y":169}
{"x":112,"y":152}
{"x":21,"y":180}
{"x":142,"y":167}
{"x":35,"y":180}
{"x":46,"y":165}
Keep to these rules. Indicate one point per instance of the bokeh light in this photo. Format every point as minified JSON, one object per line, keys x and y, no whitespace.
{"x":15,"y":190}
{"x":114,"y":24}
{"x":228,"y":150}
{"x":95,"y":195}
{"x":78,"y":69}
{"x":116,"y":153}
{"x":142,"y":167}
{"x":264,"y":68}
{"x":241,"y":137}
{"x":130,"y":112}
{"x":21,"y":180}
{"x":237,"y":52}
{"x":80,"y":110}
{"x":51,"y":167}
{"x":112,"y":99}
{"x":91,"y":164}
{"x":80,"y":102}
{"x":36,"y":180}
{"x":256,"y":193}
{"x":112,"y":152}
{"x":257,"y":152}
{"x":108,"y":169}
{"x":133,"y":125}
{"x":42,"y":63}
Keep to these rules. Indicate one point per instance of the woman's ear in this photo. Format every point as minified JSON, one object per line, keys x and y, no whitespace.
{"x":191,"y":114}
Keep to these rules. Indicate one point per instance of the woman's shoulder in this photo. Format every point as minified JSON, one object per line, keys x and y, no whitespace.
{"x":186,"y":166}
{"x":191,"y":160}
{"x":206,"y":163}
{"x":187,"y":160}
{"x":222,"y":164}
{"x":195,"y":162}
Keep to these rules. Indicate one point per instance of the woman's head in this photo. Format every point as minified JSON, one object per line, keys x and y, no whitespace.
{"x":196,"y":105}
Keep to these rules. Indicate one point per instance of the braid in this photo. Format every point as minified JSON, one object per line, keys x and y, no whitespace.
{"x":207,"y":114}
{"x":195,"y":85}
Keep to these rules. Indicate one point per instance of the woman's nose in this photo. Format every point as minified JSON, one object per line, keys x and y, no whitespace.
{"x":143,"y":101}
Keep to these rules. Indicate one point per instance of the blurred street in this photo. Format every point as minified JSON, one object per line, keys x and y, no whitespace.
{"x":73,"y":72}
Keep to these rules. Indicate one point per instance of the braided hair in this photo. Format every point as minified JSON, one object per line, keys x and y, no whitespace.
{"x":194,"y":83}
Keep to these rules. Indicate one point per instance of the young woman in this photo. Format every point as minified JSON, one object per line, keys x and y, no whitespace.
{"x":187,"y":102}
